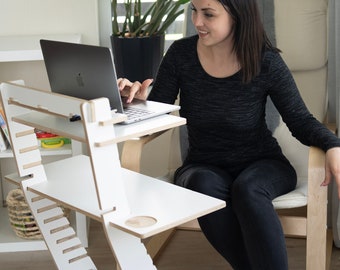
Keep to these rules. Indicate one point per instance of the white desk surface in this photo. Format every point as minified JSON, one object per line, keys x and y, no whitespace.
{"x":169,"y":204}
{"x":75,"y":130}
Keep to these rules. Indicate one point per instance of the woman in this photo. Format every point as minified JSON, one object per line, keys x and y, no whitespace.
{"x":223,"y":76}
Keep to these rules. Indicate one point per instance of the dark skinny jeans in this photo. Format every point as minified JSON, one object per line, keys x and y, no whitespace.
{"x":247,"y":232}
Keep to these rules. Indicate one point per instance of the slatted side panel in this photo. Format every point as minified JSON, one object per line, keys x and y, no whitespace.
{"x":23,"y":140}
{"x":104,"y":156}
{"x":66,"y":249}
{"x":110,"y":185}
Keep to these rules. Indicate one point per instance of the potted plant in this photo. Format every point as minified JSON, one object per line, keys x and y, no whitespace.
{"x":138,"y":43}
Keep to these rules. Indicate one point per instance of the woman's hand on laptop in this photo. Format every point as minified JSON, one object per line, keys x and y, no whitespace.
{"x":134,"y":90}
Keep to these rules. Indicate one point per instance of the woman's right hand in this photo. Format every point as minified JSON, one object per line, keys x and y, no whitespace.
{"x":134,"y":90}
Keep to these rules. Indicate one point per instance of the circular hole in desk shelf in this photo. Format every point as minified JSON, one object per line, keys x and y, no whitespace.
{"x":141,"y":221}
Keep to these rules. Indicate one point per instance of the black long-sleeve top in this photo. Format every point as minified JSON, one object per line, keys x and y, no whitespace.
{"x":225,"y":117}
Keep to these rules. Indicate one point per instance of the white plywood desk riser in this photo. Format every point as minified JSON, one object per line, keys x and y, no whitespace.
{"x":131,"y":206}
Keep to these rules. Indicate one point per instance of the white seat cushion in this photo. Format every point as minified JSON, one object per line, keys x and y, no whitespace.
{"x":295,"y":198}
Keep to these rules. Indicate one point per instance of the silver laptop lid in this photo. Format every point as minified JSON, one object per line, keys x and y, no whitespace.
{"x":82,"y":71}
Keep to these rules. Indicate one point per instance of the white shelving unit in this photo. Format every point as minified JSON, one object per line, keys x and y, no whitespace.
{"x":9,"y":241}
{"x":20,"y":49}
{"x":64,"y":150}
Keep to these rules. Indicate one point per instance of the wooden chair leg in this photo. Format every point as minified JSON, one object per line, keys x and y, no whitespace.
{"x":132,"y":151}
{"x":329,"y":248}
{"x":157,"y":243}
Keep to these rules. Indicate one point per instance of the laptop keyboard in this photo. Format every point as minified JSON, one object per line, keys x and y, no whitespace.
{"x":135,"y":112}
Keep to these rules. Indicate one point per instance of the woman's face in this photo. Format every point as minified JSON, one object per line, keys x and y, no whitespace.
{"x":213,"y":23}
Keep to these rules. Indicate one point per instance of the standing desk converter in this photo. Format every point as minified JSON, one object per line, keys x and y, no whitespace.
{"x":131,"y":206}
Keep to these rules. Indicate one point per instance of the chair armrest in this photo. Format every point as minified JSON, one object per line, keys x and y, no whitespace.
{"x":316,"y":163}
{"x":132,"y":151}
{"x":317,"y":195}
{"x":316,"y":173}
{"x":317,"y":206}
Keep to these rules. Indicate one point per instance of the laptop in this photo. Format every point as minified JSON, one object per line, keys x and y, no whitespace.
{"x":88,"y":72}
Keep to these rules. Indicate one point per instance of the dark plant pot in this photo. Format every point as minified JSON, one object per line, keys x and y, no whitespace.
{"x":137,"y":58}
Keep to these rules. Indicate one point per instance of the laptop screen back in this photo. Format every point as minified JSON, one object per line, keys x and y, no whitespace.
{"x":81,"y":71}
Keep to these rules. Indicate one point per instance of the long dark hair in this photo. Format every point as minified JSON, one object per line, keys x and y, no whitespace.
{"x":250,"y":39}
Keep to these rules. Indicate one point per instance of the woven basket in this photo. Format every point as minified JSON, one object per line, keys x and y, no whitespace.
{"x":20,"y":216}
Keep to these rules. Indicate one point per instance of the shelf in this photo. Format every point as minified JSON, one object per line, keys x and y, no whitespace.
{"x":10,"y":242}
{"x":52,"y":124}
{"x":147,"y":127}
{"x":75,"y":130}
{"x":64,"y":150}
{"x":143,"y":194}
{"x":27,"y":48}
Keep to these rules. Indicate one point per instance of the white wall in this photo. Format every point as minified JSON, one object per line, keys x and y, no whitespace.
{"x":45,"y":17}
{"x":34,"y":17}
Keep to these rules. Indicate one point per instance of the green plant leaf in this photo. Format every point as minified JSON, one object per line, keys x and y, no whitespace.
{"x":162,"y":14}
